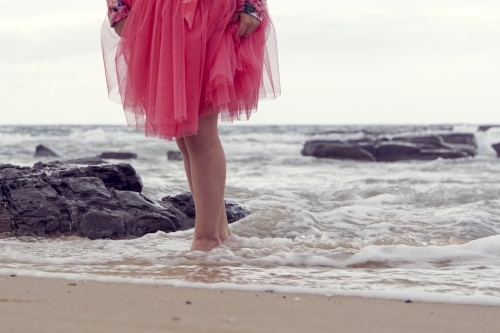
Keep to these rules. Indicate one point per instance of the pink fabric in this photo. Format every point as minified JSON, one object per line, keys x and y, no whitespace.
{"x":169,"y":76}
{"x":188,"y":11}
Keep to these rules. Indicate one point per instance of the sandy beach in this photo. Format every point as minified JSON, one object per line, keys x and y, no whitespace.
{"x":52,"y":305}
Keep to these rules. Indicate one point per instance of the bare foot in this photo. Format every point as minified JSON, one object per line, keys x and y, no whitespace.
{"x":205,"y":245}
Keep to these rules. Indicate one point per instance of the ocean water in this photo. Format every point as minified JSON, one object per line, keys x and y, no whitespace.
{"x":421,"y":230}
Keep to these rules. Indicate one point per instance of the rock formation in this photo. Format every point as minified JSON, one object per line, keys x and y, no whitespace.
{"x":395,"y":148}
{"x":88,"y":198}
{"x":42,"y":151}
{"x":496,"y":146}
{"x":485,"y":128}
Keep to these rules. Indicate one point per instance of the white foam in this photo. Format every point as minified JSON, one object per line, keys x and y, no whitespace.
{"x":485,"y":140}
{"x":484,"y":251}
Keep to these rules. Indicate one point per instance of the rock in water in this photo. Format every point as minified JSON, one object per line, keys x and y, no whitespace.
{"x":485,"y":128}
{"x":337,"y":150}
{"x":42,"y":151}
{"x":173,"y":155}
{"x":86,"y":197}
{"x":496,"y":146}
{"x":397,"y":148}
{"x":391,"y":151}
{"x":89,"y":198}
{"x":4,"y":219}
{"x":184,"y":204}
{"x":118,"y":155}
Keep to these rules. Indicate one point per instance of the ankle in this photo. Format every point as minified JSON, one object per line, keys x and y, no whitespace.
{"x":224,"y":235}
{"x":205,"y":244}
{"x":209,"y":235}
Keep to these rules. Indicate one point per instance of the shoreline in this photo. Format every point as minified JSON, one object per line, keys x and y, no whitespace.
{"x":390,"y":295}
{"x":32,"y":304}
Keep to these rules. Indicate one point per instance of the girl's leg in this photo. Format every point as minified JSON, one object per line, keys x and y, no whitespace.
{"x":181,"y":143}
{"x":223,"y":226}
{"x":207,"y":166}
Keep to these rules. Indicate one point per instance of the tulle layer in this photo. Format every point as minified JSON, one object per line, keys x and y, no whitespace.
{"x":167,"y":76}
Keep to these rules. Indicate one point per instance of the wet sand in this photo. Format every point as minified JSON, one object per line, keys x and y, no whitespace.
{"x":51,"y":305}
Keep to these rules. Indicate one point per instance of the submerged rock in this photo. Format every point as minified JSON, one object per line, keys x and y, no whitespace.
{"x":397,"y":148}
{"x":496,"y":146}
{"x":42,"y":151}
{"x":84,"y":197}
{"x":118,"y":155}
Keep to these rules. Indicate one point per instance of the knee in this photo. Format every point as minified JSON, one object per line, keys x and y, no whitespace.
{"x":201,"y":143}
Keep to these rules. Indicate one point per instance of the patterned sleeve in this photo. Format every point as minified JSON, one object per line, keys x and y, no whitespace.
{"x":117,"y":10}
{"x":256,"y":8}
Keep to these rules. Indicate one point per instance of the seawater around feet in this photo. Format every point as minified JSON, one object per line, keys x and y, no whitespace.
{"x":422,"y":230}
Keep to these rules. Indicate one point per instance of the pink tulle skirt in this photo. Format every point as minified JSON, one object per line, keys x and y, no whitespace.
{"x":167,"y":75}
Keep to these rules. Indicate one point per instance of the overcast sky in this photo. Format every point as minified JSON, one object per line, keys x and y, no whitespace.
{"x":342,"y":62}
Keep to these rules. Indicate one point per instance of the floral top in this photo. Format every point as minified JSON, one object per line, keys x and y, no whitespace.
{"x":256,"y":8}
{"x":119,"y":9}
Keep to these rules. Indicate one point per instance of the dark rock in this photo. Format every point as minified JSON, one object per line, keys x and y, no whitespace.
{"x":465,"y":142}
{"x":396,"y":151}
{"x":459,"y":138}
{"x":121,"y":176}
{"x":173,"y":155}
{"x":95,"y":201}
{"x":408,"y":301}
{"x":485,"y":128}
{"x":397,"y":148}
{"x":337,"y":150}
{"x":5,"y":219}
{"x":445,"y":145}
{"x":432,"y":154}
{"x":8,"y":166}
{"x":102,"y":223}
{"x":423,"y":141}
{"x":184,"y":205}
{"x":42,"y":151}
{"x":369,"y":147}
{"x":496,"y":146}
{"x":235,"y":212}
{"x":118,"y":155}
